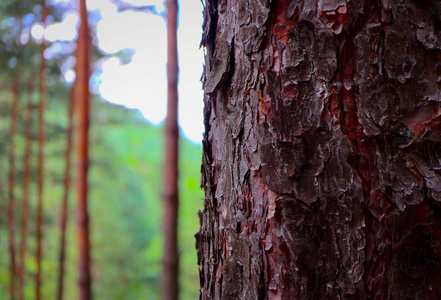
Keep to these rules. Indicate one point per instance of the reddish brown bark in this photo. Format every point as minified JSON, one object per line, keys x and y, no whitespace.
{"x":64,"y":209}
{"x":26,"y":181}
{"x":12,"y":179}
{"x":41,"y":138}
{"x":170,"y":271}
{"x":321,"y":159}
{"x":82,"y":98}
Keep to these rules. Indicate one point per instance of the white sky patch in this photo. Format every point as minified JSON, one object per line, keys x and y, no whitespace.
{"x":143,"y":32}
{"x":144,"y":2}
{"x":142,"y":82}
{"x":66,"y":30}
{"x":105,"y":6}
{"x":37,"y":31}
{"x":63,"y":31}
{"x":69,"y":76}
{"x":190,"y":62}
{"x":125,"y":84}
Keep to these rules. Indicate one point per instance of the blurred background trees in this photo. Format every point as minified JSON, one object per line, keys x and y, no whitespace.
{"x":126,"y":155}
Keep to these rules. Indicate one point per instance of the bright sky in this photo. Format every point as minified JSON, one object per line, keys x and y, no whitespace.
{"x":142,"y":82}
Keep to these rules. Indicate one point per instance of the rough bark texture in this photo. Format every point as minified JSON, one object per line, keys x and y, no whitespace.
{"x":82,"y":105}
{"x":170,"y":273}
{"x":321,"y":162}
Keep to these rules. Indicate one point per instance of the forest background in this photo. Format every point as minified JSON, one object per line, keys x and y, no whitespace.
{"x":125,"y":173}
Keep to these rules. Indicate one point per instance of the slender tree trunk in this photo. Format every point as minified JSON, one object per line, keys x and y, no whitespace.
{"x":12,"y":179}
{"x":41,"y":138}
{"x":170,"y":286}
{"x":83,"y":113}
{"x":321,"y":152}
{"x":26,"y":181}
{"x":64,"y":210}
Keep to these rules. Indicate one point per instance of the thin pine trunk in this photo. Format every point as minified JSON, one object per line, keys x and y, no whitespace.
{"x":26,"y":180}
{"x":12,"y":179}
{"x":170,"y":287}
{"x":64,"y":214}
{"x":41,"y":138}
{"x":83,"y":112}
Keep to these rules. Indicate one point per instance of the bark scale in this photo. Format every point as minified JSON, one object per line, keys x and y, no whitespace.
{"x":82,"y":104}
{"x":170,"y":287}
{"x":321,"y":153}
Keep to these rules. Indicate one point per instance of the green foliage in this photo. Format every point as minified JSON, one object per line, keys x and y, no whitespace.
{"x":126,"y":184}
{"x":125,"y":179}
{"x":125,"y":207}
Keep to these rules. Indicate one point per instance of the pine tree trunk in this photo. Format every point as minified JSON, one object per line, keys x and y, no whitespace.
{"x":83,"y":114}
{"x":65,"y":205}
{"x":170,"y":287}
{"x":12,"y":181}
{"x":321,"y":153}
{"x":26,"y":182}
{"x":41,"y":138}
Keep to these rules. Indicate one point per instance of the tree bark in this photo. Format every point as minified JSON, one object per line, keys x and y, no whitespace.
{"x":170,"y":287}
{"x":321,"y":152}
{"x":83,"y":114}
{"x":26,"y":181}
{"x":41,"y":138}
{"x":12,"y":180}
{"x":65,"y":205}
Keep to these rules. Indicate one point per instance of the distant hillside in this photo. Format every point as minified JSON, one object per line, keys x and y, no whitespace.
{"x":126,"y":185}
{"x":125,"y":206}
